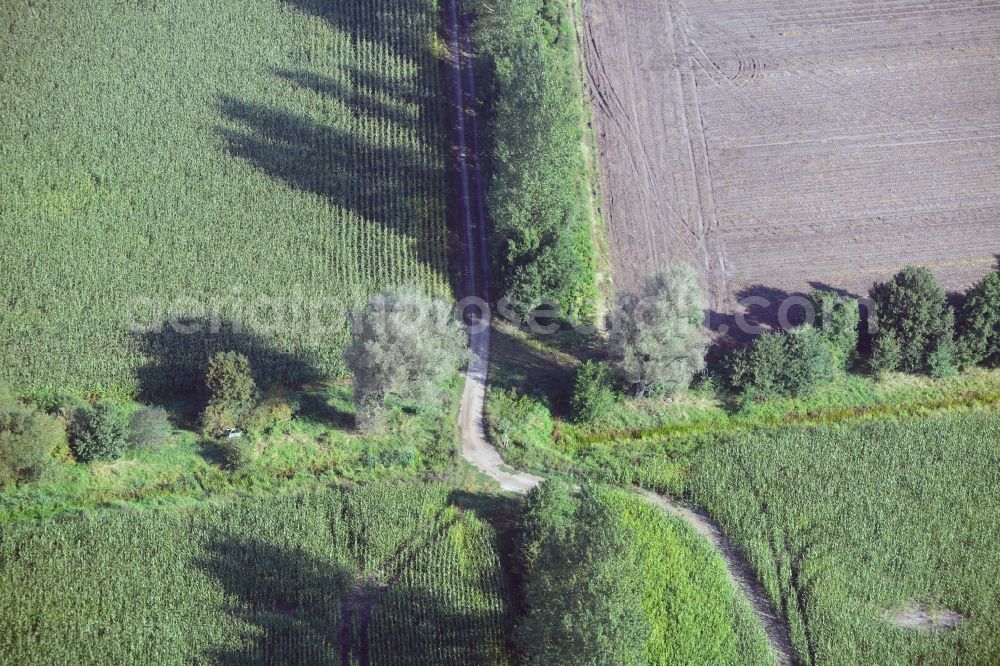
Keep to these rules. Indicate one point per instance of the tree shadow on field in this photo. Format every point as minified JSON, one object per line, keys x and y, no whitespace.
{"x":529,"y":370}
{"x":312,"y":611}
{"x":758,"y":311}
{"x":381,"y":24}
{"x":383,"y":157}
{"x":317,"y":405}
{"x":178,"y":353}
{"x":294,"y":599}
{"x":334,"y":163}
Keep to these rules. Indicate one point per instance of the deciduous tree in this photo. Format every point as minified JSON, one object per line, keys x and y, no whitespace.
{"x":658,"y":337}
{"x":405,"y":344}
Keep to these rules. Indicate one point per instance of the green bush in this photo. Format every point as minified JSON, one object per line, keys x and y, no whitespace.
{"x":593,"y":395}
{"x":229,"y":382}
{"x":914,"y":308}
{"x":979,"y":323}
{"x":150,"y":427}
{"x":780,"y":363}
{"x":516,"y":422}
{"x":101,"y":433}
{"x":28,"y":441}
{"x":232,"y":392}
{"x":839,"y":318}
{"x":942,"y":362}
{"x":238,"y":453}
{"x":216,"y":420}
{"x":275,"y":409}
{"x":886,"y":356}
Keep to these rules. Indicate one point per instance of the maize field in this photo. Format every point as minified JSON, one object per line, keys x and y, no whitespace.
{"x":857,"y":531}
{"x":380,"y":575}
{"x":186,"y":176}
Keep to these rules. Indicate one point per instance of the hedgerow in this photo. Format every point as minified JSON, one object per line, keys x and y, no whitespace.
{"x":537,"y":193}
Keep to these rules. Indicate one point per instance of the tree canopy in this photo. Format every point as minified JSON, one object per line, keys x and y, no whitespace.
{"x":913,"y":308}
{"x":404,"y":344}
{"x":658,"y":337}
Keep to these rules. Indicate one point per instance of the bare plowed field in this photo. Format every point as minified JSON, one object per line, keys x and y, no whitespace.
{"x":781,"y":145}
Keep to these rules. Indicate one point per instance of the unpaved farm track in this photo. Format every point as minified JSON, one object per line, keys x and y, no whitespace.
{"x":740,"y":572}
{"x":783,"y":145}
{"x":475,"y":449}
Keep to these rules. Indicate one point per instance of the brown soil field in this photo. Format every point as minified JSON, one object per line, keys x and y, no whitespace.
{"x":779,"y":146}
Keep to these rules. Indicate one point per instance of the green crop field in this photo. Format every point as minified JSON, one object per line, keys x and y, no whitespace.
{"x":850,"y":526}
{"x":262,"y":160}
{"x":381,"y":575}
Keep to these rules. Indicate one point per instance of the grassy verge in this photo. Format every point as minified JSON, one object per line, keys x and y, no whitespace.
{"x":318,"y":447}
{"x":603,"y":271}
{"x":651,"y":441}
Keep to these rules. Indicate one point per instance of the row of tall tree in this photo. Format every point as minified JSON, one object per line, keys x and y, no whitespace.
{"x":659,"y":345}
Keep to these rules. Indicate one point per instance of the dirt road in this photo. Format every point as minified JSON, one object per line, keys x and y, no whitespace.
{"x":781,"y":146}
{"x":740,"y":572}
{"x":475,"y":449}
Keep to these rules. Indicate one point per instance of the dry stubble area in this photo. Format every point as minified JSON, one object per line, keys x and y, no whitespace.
{"x":779,"y":146}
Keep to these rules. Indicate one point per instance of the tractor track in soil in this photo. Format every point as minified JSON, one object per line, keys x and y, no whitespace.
{"x":779,"y":147}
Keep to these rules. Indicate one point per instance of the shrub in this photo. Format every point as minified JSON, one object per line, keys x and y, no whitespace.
{"x":838,"y":318}
{"x":150,"y":428}
{"x":404,"y":344}
{"x":230,"y":382}
{"x":780,"y":363}
{"x":57,"y":402}
{"x":101,"y":433}
{"x":886,"y":354}
{"x":216,"y":420}
{"x":914,"y":308}
{"x":516,"y":421}
{"x":979,"y":323}
{"x":28,"y":440}
{"x":232,"y":392}
{"x":593,"y":394}
{"x":658,"y":337}
{"x":238,"y":453}
{"x":942,"y":362}
{"x":276,"y":408}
